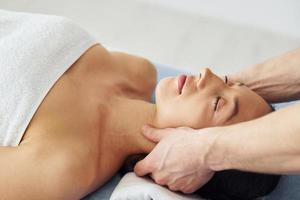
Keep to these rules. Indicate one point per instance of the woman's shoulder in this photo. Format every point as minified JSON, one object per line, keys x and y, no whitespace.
{"x":139,"y":72}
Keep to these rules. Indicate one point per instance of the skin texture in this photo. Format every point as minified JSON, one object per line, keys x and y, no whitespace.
{"x":276,"y":79}
{"x":80,"y":134}
{"x":195,"y":105}
{"x":269,"y":144}
{"x":169,"y":164}
{"x":91,"y":120}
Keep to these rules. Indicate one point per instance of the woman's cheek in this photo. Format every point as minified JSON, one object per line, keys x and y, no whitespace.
{"x":167,"y":116}
{"x":199,"y":119}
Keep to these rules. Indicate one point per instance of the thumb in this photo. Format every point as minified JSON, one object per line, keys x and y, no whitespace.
{"x":140,"y":169}
{"x":154,"y":134}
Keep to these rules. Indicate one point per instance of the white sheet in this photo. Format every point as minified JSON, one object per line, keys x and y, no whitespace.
{"x":132,"y":187}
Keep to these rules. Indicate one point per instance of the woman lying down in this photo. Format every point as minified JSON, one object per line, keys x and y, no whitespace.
{"x":71,"y":111}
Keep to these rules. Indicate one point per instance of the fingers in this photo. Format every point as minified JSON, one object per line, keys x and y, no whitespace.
{"x":153,"y":134}
{"x":185,"y":185}
{"x":141,"y":168}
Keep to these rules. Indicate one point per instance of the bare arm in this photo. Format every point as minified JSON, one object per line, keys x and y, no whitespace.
{"x":270,"y":144}
{"x":277,"y":79}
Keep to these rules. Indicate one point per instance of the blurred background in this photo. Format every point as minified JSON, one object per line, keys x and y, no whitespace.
{"x":186,"y":34}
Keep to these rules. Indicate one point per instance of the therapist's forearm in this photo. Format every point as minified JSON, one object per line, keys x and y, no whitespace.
{"x":270,"y":144}
{"x":277,"y":79}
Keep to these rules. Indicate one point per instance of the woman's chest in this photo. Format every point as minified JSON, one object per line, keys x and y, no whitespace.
{"x":77,"y":105}
{"x":68,"y":113}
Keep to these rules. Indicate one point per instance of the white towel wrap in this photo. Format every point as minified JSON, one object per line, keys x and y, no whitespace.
{"x":35,"y":50}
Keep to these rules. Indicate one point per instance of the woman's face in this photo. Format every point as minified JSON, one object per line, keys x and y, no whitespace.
{"x":205,"y":101}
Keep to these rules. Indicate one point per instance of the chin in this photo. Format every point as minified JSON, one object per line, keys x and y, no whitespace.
{"x":166,"y":82}
{"x":162,"y":88}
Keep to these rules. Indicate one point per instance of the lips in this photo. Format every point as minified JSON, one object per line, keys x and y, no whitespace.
{"x":181,"y":82}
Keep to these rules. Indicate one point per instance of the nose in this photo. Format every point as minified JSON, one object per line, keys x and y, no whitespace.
{"x":203,"y":77}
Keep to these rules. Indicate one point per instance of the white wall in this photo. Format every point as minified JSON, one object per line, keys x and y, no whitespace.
{"x":281,"y":16}
{"x":186,"y":34}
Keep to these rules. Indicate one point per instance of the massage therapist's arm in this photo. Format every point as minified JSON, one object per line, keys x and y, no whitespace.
{"x":270,"y":144}
{"x":185,"y":159}
{"x":277,"y":79}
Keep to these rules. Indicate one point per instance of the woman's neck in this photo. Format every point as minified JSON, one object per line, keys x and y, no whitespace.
{"x":125,"y":122}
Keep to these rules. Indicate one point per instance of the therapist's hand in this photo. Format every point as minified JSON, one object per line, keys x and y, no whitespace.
{"x":178,"y":159}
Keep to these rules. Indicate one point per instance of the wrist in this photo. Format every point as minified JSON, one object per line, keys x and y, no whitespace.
{"x":215,"y":157}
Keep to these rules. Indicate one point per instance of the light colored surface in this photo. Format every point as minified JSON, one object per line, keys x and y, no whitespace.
{"x":281,"y":16}
{"x":35,"y":50}
{"x":143,"y":188}
{"x":169,"y":35}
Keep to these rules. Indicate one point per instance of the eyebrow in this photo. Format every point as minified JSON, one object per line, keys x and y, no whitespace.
{"x":234,"y":111}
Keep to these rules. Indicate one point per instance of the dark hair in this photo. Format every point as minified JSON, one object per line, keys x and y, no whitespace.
{"x":226,"y":185}
{"x":238,"y":185}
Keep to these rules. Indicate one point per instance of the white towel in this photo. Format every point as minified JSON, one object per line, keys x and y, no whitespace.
{"x":132,"y":187}
{"x":35,"y":50}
